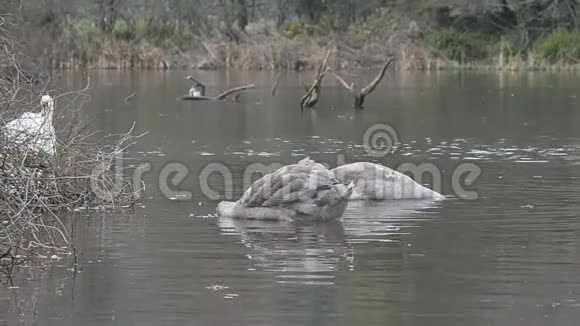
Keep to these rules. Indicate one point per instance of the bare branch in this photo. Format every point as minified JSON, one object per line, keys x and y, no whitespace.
{"x":344,"y":83}
{"x":324,"y":64}
{"x":130,"y":97}
{"x":313,"y":93}
{"x":37,"y":187}
{"x":234,"y":90}
{"x":311,"y":97}
{"x":371,"y":87}
{"x":220,"y":96}
{"x":276,"y":83}
{"x":359,"y":98}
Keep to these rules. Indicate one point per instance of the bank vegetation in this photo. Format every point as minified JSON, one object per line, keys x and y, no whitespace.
{"x":294,"y":34}
{"x":41,"y":190}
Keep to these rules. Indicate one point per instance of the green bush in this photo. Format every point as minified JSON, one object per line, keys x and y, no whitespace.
{"x":81,"y":37}
{"x":140,"y":26}
{"x":298,"y":27}
{"x":121,"y":30}
{"x":81,"y":28}
{"x":559,"y":45}
{"x":462,"y":46}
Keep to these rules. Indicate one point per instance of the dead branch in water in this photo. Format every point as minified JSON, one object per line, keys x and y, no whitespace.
{"x":233,"y":90}
{"x":359,"y":98}
{"x":312,"y":96}
{"x":276,"y":84}
{"x":130,"y":97}
{"x":201,"y":88}
{"x":221,"y":96}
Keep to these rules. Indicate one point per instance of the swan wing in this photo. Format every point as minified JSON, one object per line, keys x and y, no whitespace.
{"x":32,"y":130}
{"x":380,"y":182}
{"x":288,"y":185}
{"x":28,"y":122}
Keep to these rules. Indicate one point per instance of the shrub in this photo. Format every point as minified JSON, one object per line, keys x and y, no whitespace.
{"x":462,"y":46}
{"x":559,"y":45}
{"x":36,"y":187}
{"x":298,"y":27}
{"x":121,"y":30}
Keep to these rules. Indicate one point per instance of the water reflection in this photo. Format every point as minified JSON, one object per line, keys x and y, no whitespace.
{"x":511,"y":257}
{"x":309,"y":253}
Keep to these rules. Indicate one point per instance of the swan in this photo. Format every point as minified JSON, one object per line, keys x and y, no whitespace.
{"x":302,"y":191}
{"x":194,"y":92}
{"x":377,"y":182}
{"x":197,"y":89}
{"x":35,"y":130}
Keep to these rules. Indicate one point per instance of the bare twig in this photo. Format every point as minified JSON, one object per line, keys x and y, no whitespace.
{"x":36,"y":188}
{"x":344,"y":83}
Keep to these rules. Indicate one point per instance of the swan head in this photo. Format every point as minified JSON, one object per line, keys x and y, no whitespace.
{"x":226,"y":209}
{"x":46,"y":105}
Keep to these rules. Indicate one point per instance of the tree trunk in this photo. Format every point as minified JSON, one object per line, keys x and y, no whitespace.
{"x":107,"y":14}
{"x":242,"y":14}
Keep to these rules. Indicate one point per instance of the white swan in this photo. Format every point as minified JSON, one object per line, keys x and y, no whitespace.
{"x":194,"y":92}
{"x":377,"y":182}
{"x":197,"y":89}
{"x":35,"y":130}
{"x":303,"y":191}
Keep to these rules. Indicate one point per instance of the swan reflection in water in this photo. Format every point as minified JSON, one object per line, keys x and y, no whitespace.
{"x":309,"y":253}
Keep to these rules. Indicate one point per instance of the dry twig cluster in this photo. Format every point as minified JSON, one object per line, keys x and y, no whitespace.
{"x":37,"y":189}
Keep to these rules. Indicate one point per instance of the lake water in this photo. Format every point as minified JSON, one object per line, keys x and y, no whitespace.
{"x":510,"y":257}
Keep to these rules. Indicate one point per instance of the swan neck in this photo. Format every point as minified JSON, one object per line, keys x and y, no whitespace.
{"x":48,"y":112}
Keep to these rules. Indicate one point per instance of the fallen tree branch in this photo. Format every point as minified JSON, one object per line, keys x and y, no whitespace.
{"x":220,"y":96}
{"x":359,"y":98}
{"x":200,"y":87}
{"x":234,"y":90}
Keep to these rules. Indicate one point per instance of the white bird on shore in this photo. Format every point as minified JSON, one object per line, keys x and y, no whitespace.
{"x":35,"y":130}
{"x":303,"y":191}
{"x":377,"y":182}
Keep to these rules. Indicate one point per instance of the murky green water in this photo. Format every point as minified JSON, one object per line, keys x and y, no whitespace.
{"x":509,"y":258}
